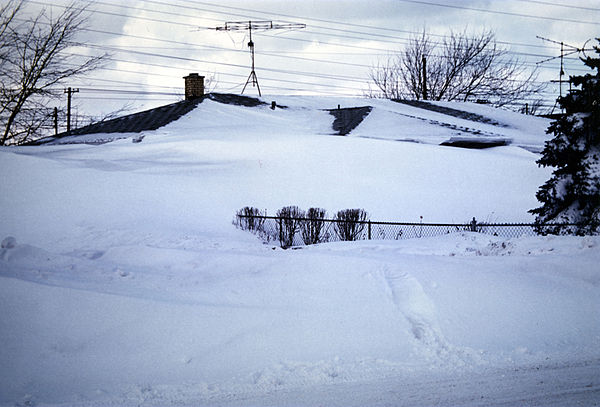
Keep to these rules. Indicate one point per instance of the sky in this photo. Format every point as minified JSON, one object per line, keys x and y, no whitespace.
{"x":152,"y":44}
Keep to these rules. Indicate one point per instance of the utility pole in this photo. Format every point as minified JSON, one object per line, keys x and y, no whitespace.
{"x":69,"y":92}
{"x":562,"y":71}
{"x":256,"y":25}
{"x":424,"y":78}
{"x":55,"y":121}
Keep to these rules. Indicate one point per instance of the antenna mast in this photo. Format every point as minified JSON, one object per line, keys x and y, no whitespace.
{"x":569,"y":51}
{"x":256,"y":25}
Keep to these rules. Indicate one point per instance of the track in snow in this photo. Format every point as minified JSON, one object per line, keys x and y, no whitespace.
{"x":574,"y":384}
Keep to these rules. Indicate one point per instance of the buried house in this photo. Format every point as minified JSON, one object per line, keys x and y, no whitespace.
{"x":456,"y":124}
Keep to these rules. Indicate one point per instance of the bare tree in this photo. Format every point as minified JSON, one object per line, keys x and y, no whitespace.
{"x":461,"y":67}
{"x":7,"y":15}
{"x":35,"y":62}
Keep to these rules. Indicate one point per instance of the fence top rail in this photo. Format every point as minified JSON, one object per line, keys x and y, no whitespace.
{"x":482,"y":224}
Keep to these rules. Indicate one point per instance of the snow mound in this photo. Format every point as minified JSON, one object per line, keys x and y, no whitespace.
{"x":127,"y":284}
{"x":471,"y":244}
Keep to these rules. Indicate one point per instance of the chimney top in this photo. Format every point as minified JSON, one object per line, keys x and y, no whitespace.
{"x":194,"y":86}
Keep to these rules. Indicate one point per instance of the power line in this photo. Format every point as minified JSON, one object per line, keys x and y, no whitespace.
{"x":358,"y":79}
{"x":387,"y":29}
{"x":124,"y":98}
{"x":327,"y":85}
{"x":108,"y":13}
{"x":361,"y":80}
{"x":506,"y":13}
{"x":213,"y":47}
{"x":129,"y":83}
{"x":234,"y":83}
{"x":547,"y":3}
{"x":380,"y":49}
{"x":368,"y":36}
{"x":130,"y":92}
{"x":284,"y":71}
{"x":400,"y":40}
{"x":269,"y":53}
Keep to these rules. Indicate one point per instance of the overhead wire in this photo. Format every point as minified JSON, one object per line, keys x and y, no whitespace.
{"x":329,"y":21}
{"x":506,"y":13}
{"x":283,"y":71}
{"x":345,"y":78}
{"x":272,"y":54}
{"x":178,"y":14}
{"x":399,"y":40}
{"x":327,"y":85}
{"x":569,"y":6}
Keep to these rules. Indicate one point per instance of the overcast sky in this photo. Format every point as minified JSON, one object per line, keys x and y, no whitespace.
{"x":154,"y":43}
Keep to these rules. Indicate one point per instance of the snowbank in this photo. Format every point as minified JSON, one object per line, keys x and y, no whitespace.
{"x":234,"y":320}
{"x":125,"y":283}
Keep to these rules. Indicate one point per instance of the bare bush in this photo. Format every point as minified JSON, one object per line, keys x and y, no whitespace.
{"x":249,"y":218}
{"x":290,"y":219}
{"x":350,"y":223}
{"x":313,"y":226}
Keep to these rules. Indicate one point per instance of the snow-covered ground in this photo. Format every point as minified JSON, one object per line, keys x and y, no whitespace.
{"x":128,"y":284}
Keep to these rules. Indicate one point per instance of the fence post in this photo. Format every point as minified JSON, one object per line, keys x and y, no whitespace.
{"x":279,"y":220}
{"x":473,"y":225}
{"x":369,"y":229}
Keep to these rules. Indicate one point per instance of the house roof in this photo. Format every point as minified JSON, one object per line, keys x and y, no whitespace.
{"x":346,"y":119}
{"x":457,"y":125}
{"x":152,"y":119}
{"x":461,"y":114}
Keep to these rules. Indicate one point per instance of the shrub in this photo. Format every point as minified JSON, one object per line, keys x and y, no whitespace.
{"x":290,"y":219}
{"x":350,"y":223}
{"x":313,"y":225}
{"x":249,"y":218}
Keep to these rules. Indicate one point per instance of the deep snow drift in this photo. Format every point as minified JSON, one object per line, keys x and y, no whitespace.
{"x":127,"y":284}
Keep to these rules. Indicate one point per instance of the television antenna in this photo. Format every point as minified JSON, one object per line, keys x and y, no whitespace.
{"x":256,"y":25}
{"x":565,"y":50}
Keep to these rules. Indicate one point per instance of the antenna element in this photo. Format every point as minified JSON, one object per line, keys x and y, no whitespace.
{"x":256,"y":25}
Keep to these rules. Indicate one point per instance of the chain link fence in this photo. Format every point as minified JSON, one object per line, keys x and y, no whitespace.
{"x":288,"y":231}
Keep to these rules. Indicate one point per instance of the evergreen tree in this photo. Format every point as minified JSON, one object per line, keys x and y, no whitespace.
{"x":572,"y":195}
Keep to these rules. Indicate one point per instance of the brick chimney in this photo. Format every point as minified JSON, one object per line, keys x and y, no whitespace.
{"x":194,"y":86}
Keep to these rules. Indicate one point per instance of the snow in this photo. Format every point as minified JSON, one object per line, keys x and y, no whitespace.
{"x":123,"y":281}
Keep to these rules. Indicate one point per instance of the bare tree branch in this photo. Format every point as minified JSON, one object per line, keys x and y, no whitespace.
{"x":461,"y":67}
{"x":36,"y":63}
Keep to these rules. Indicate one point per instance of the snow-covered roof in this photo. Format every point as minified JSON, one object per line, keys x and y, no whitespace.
{"x":444,"y":123}
{"x":150,"y":119}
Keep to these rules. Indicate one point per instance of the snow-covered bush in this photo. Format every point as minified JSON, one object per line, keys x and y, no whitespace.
{"x":350,"y":223}
{"x":572,"y":195}
{"x":290,"y":219}
{"x":312,"y":227}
